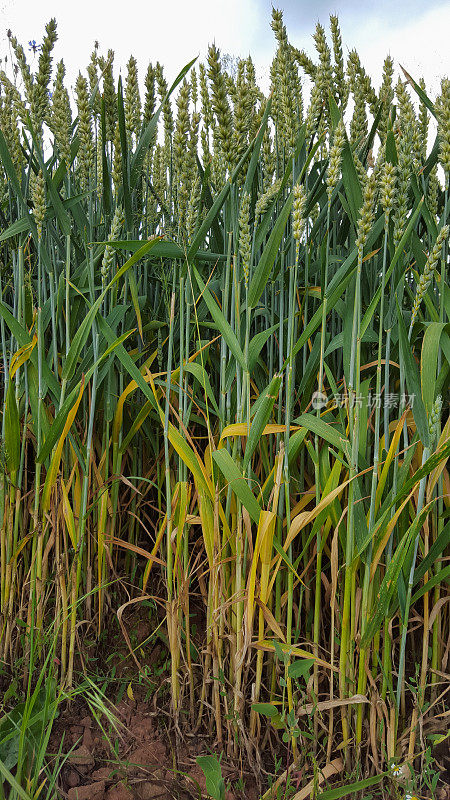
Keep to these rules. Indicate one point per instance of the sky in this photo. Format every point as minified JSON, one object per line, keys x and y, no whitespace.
{"x":414,"y":32}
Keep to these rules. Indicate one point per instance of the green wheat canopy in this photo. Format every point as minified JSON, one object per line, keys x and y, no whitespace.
{"x":225,"y":370}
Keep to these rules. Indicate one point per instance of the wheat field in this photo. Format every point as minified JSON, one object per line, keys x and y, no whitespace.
{"x":224,"y":394}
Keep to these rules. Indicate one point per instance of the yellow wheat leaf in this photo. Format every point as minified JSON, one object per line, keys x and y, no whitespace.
{"x":52,"y":473}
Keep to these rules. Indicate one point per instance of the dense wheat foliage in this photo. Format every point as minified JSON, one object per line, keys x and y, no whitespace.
{"x":225,"y":348}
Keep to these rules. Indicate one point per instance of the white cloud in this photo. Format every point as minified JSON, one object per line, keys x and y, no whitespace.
{"x":171,"y":31}
{"x":420,"y":45}
{"x":175,"y":31}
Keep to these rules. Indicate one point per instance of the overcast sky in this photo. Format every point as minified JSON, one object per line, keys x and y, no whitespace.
{"x":414,"y":32}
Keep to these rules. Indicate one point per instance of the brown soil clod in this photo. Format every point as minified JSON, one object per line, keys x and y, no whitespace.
{"x":91,"y":791}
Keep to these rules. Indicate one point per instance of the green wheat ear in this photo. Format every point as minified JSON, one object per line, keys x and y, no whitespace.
{"x":245,"y":244}
{"x":298,"y":213}
{"x":109,"y":94}
{"x":266,"y":198}
{"x":442,"y":106}
{"x":86,"y":149}
{"x":435,"y":417}
{"x":427,"y":275}
{"x":132,"y":100}
{"x":335,"y":158}
{"x":220,"y":104}
{"x":39,"y":203}
{"x":108,"y":256}
{"x":40,"y":99}
{"x":367,"y":213}
{"x":387,"y":187}
{"x":61,"y":115}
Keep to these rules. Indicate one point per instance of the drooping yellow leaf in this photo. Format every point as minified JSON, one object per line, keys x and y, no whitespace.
{"x":241,"y":429}
{"x":437,"y":472}
{"x":389,"y":459}
{"x":21,"y":356}
{"x":132,"y":386}
{"x":52,"y":473}
{"x":389,"y":528}
{"x":292,"y":650}
{"x":264,"y":539}
{"x":152,"y":557}
{"x":68,"y":516}
{"x":299,"y":522}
